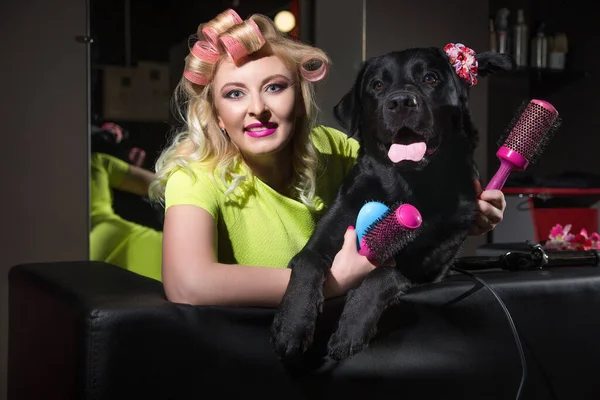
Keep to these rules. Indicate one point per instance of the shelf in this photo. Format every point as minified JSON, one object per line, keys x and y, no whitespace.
{"x":545,"y":81}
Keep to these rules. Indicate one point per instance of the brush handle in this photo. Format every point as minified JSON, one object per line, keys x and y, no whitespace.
{"x":510,"y":160}
{"x":499,"y":179}
{"x":368,"y":214}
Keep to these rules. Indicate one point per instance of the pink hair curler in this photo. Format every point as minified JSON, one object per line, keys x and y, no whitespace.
{"x":115,"y":129}
{"x":527,"y":137}
{"x":212,"y":35}
{"x":313,"y":75}
{"x":196,"y":78}
{"x":236,"y":49}
{"x":205,"y":51}
{"x":137,"y":156}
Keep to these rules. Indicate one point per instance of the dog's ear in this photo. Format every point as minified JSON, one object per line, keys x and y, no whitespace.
{"x":347,"y":111}
{"x":491,"y":63}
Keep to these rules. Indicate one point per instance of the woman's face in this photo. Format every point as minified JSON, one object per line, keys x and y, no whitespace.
{"x":256,"y":104}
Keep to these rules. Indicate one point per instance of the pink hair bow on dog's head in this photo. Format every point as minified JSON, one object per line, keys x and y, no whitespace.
{"x":464,"y":61}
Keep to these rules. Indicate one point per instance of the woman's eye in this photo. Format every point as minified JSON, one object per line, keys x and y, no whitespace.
{"x":430,"y":79}
{"x":275,"y":87}
{"x":377,"y":85}
{"x":234,"y":94}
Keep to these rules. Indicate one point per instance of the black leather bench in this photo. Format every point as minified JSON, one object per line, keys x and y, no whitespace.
{"x":90,"y":330}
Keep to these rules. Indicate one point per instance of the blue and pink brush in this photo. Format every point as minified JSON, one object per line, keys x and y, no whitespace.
{"x":383,"y":231}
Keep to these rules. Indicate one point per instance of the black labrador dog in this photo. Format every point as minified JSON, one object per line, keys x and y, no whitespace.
{"x":411,"y":97}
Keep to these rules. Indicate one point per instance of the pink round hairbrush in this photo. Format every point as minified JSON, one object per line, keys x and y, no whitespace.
{"x":383,"y":232}
{"x":527,"y":135}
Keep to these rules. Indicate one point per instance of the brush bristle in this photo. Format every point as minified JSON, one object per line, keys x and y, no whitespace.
{"x":386,"y":236}
{"x":530,"y":130}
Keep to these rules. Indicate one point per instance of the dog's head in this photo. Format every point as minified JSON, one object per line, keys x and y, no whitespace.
{"x":404,"y":106}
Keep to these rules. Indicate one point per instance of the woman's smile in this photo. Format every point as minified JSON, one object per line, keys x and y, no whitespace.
{"x":260,"y":130}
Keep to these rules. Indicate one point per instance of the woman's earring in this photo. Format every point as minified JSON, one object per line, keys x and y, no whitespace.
{"x":223,"y":131}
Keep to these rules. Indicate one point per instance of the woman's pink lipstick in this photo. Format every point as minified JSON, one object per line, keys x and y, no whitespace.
{"x":260,"y":130}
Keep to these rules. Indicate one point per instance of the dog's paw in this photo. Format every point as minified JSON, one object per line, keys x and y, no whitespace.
{"x":291,"y":336}
{"x":346,"y":342}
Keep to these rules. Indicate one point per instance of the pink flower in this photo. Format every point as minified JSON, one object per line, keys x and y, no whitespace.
{"x":556,"y":231}
{"x":580,"y":242}
{"x":560,"y":238}
{"x":464,"y":61}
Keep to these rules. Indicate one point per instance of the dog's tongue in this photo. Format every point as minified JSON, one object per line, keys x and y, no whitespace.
{"x":413,"y":151}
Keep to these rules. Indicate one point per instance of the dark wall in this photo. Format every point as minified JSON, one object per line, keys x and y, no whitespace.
{"x":44,"y":114}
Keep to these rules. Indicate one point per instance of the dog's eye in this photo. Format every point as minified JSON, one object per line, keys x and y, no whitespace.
{"x":377,"y":85}
{"x":430,"y":79}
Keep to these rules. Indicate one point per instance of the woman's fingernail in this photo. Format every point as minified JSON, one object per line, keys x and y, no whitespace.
{"x":351,"y":227}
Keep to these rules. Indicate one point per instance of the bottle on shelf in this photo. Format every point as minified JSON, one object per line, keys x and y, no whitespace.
{"x":520,"y":40}
{"x":539,"y":49}
{"x":558,"y":52}
{"x":493,"y":42}
{"x":502,"y":30}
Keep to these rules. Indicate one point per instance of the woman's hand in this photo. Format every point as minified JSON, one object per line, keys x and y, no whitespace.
{"x":491,"y":205}
{"x":349,"y":268}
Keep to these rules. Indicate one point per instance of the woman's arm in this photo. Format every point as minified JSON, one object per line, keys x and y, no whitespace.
{"x":137,"y":181}
{"x":191,"y":273}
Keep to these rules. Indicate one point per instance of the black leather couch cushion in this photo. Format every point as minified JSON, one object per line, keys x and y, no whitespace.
{"x":90,"y":330}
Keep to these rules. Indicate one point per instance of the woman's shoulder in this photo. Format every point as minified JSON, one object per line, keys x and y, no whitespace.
{"x":190,"y":174}
{"x":328,"y":133}
{"x":329,"y":140}
{"x":192,"y":184}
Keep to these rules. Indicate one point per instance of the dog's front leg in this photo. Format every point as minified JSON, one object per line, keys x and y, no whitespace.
{"x":294,"y":322}
{"x":363,"y":308}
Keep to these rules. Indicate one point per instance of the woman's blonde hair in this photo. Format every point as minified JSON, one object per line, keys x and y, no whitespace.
{"x":202,"y":141}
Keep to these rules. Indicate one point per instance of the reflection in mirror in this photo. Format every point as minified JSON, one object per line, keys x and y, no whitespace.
{"x":137,"y":58}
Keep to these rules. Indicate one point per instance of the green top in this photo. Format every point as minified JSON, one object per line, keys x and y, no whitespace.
{"x":105,"y":172}
{"x":260,"y":226}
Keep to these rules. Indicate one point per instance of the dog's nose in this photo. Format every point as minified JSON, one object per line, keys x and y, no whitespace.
{"x":401,"y":100}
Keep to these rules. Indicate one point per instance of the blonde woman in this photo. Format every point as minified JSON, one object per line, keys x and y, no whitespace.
{"x":247,"y":180}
